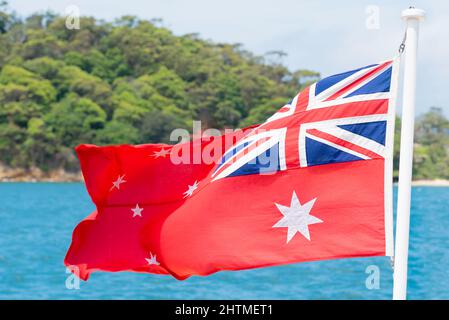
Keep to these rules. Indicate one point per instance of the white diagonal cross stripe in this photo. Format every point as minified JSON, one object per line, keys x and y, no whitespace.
{"x":331,"y":127}
{"x":343,"y":83}
{"x":276,"y":136}
{"x":356,"y":139}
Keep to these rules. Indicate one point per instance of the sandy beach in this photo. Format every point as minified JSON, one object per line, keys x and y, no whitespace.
{"x":431,"y":183}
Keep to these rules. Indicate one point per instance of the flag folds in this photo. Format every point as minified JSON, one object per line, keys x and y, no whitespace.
{"x":313,"y":182}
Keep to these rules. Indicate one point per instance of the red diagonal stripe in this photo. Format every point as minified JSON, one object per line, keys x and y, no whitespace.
{"x":345,"y":89}
{"x":303,"y":100}
{"x":345,"y":110}
{"x":343,"y":143}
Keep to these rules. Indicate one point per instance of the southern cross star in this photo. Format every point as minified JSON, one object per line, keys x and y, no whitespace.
{"x":296,"y":218}
{"x":152,"y":260}
{"x":137,"y":211}
{"x":161,"y":153}
{"x":191,"y":189}
{"x":118,"y":182}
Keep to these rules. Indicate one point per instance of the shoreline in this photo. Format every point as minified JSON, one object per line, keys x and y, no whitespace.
{"x":77,"y":179}
{"x":35,"y":175}
{"x":431,"y":183}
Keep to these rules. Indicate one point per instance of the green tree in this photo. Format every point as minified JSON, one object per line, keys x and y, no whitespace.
{"x":431,"y":158}
{"x":23,"y":95}
{"x":116,"y":132}
{"x":75,"y":120}
{"x":40,"y":146}
{"x":11,"y":139}
{"x":262,"y":112}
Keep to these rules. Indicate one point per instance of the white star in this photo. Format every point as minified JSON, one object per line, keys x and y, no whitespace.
{"x":118,"y":182}
{"x":191,"y":189}
{"x":161,"y":153}
{"x":296,"y":218}
{"x":137,"y":211}
{"x":152,"y":260}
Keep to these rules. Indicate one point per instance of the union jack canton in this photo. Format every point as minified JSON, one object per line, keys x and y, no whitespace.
{"x":344,"y":117}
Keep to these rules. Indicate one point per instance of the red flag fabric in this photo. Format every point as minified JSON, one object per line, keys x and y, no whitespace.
{"x":132,"y":186}
{"x":313,"y":182}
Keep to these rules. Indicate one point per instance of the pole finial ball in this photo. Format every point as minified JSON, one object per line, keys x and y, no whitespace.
{"x":413,"y":13}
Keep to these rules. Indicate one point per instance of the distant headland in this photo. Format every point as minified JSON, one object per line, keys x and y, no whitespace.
{"x":134,"y":81}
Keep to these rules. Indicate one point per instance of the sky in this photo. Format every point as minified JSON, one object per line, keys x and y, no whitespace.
{"x":326,"y":36}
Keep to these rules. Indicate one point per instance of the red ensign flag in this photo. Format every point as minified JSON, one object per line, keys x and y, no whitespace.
{"x":313,"y":182}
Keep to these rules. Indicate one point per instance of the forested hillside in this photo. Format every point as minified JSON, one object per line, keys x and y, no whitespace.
{"x":133,"y":81}
{"x":129,"y":81}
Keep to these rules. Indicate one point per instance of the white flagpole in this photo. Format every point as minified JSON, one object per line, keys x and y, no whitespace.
{"x":412,"y":17}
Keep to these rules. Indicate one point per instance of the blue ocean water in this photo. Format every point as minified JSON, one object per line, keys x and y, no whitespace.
{"x":37,"y":219}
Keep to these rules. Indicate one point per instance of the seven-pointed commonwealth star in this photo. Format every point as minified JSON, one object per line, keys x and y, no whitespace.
{"x":137,"y":211}
{"x":191,"y":189}
{"x":296,"y":218}
{"x":118,"y":182}
{"x":161,"y":153}
{"x":152,"y":260}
